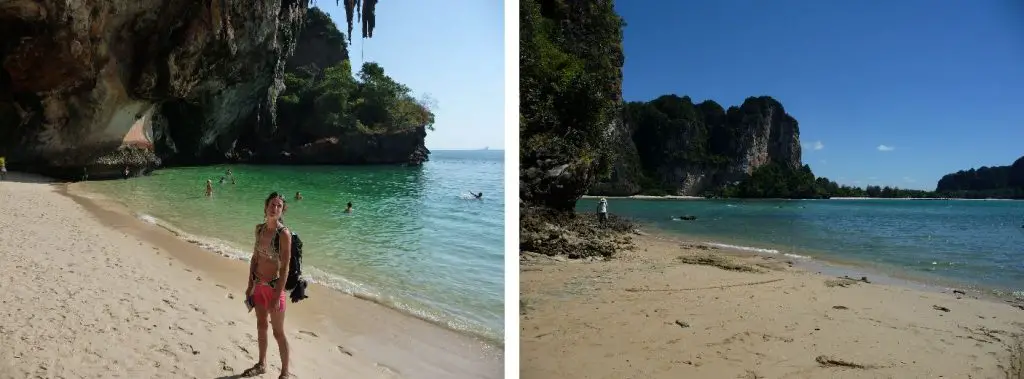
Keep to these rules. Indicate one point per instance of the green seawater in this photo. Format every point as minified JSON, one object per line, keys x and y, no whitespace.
{"x":417,"y":241}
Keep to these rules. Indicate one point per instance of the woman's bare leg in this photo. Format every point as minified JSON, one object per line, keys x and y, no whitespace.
{"x":261,"y":333}
{"x":277,"y":322}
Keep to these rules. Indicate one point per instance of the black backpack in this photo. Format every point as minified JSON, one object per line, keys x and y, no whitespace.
{"x":295,"y":264}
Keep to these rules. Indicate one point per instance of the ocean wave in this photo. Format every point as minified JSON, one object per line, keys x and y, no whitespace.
{"x":755,"y":250}
{"x":335,"y":282}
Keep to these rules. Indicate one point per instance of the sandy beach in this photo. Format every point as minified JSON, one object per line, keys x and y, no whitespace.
{"x":648,"y":314}
{"x":92,"y":292}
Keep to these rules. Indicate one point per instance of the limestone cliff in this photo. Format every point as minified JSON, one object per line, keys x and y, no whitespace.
{"x":82,"y":82}
{"x":306,"y":133}
{"x":672,"y":146}
{"x":98,"y":86}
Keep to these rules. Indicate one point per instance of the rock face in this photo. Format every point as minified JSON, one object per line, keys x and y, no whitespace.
{"x":681,"y":148}
{"x":81,"y":80}
{"x":98,"y":86}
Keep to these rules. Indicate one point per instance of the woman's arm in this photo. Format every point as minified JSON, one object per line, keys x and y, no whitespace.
{"x":252,"y":263}
{"x":285,"y":249}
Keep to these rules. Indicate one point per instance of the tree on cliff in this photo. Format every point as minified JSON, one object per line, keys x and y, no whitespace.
{"x":570,"y":63}
{"x":334,"y":101}
{"x":985,"y":182}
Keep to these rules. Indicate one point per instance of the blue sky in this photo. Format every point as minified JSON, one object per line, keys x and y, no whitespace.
{"x":891,"y":92}
{"x":451,"y":50}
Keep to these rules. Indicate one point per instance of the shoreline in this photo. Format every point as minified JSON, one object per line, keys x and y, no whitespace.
{"x":681,"y":197}
{"x":312,"y":273}
{"x":887,"y":275}
{"x":650,"y":313}
{"x":834,"y":266}
{"x":330,"y":333}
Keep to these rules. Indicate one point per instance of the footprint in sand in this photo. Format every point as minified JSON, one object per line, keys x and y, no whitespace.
{"x":386,"y":370}
{"x":197,"y":308}
{"x":345,"y":351}
{"x":308,"y":333}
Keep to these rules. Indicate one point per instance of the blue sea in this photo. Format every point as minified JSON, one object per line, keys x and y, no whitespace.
{"x":978,"y":244}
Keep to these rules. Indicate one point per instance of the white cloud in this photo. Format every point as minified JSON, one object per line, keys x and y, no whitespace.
{"x":817,"y":145}
{"x":886,"y":148}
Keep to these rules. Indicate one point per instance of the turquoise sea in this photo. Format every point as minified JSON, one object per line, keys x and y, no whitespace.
{"x":977,"y":244}
{"x":417,"y":241}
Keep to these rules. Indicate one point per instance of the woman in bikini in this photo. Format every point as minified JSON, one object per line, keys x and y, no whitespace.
{"x":268,"y":272}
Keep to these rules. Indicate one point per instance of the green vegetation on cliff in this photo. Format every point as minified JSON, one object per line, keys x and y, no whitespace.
{"x":773,"y":181}
{"x":322,"y":98}
{"x":570,"y":65}
{"x":1003,"y":182}
{"x":332,"y":101}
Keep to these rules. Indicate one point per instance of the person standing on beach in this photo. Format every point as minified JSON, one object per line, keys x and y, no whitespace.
{"x":602,"y":210}
{"x":3,"y":168}
{"x":209,"y":187}
{"x":268,"y":273}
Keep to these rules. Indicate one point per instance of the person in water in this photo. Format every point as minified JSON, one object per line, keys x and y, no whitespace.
{"x":127,"y":172}
{"x":478,"y":196}
{"x":209,"y":188}
{"x":348,"y":208}
{"x":268,"y":272}
{"x":298,"y":196}
{"x":229,"y":175}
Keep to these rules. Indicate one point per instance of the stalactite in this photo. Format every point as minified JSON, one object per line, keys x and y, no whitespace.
{"x":364,"y":11}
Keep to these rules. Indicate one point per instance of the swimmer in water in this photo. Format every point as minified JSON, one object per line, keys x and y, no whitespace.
{"x":298,"y":196}
{"x":348,"y":209}
{"x":209,"y":188}
{"x":478,"y":196}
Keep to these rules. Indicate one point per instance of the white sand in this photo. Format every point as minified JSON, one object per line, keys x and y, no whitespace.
{"x":93,"y":293}
{"x":648,"y":315}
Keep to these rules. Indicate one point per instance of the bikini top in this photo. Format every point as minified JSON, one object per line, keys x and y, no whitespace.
{"x":272,"y":253}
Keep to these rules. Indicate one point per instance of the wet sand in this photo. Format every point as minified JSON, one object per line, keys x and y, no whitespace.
{"x":647,"y":314}
{"x":94,"y":292}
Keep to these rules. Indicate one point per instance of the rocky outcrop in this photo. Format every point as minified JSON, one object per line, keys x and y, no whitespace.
{"x":302,"y":138}
{"x":94,"y":87}
{"x":679,"y":148}
{"x":81,"y":80}
{"x":570,"y":93}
